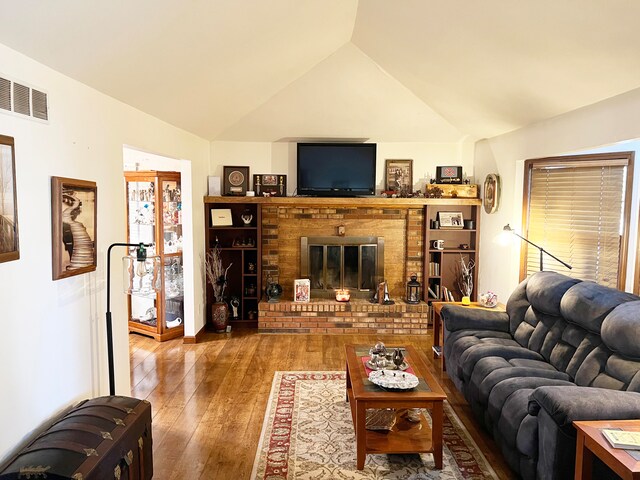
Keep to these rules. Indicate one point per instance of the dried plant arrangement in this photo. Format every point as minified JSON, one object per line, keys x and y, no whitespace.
{"x":465,"y":275}
{"x":216,"y":274}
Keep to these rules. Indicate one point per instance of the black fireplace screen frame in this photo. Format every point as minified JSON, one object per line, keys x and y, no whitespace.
{"x":322,"y":288}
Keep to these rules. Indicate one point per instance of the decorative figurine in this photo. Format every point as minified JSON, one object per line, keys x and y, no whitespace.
{"x":235,"y":303}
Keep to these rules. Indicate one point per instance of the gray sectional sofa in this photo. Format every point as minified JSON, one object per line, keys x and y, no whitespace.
{"x":564,"y":350}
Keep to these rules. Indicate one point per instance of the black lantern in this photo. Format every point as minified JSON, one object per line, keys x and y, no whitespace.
{"x":413,"y":290}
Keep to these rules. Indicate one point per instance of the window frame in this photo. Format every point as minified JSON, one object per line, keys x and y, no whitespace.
{"x":588,"y":160}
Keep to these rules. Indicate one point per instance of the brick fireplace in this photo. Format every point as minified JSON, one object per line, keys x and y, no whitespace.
{"x":402,"y":228}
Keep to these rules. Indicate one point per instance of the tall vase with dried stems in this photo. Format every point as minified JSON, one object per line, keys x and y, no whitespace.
{"x":465,"y":279}
{"x":217,"y":277}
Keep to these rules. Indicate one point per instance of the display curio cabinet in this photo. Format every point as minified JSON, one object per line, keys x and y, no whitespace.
{"x":154,"y":216}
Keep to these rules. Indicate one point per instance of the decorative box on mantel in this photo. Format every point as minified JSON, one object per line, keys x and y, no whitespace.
{"x":329,"y":316}
{"x":455,"y":191}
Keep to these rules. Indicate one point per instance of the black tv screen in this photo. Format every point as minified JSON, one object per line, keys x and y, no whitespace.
{"x":336,"y":169}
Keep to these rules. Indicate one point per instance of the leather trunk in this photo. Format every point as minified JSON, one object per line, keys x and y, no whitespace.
{"x":99,"y":439}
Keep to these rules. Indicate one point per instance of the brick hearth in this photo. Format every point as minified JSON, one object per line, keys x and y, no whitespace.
{"x":329,"y":316}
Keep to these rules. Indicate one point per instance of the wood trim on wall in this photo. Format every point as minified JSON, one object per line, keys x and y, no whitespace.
{"x":197,"y":338}
{"x":589,"y":160}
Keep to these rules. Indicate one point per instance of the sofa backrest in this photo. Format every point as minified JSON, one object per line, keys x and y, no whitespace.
{"x":615,"y":364}
{"x":561,"y":318}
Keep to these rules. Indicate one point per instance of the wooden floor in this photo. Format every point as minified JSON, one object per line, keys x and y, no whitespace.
{"x":209,"y":399}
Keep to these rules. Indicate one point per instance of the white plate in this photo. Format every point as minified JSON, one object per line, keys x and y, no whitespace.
{"x":393,"y":379}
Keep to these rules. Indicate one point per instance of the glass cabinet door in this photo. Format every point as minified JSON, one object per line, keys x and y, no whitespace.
{"x":141,"y":198}
{"x":154,"y":201}
{"x":142,"y":213}
{"x":171,"y":216}
{"x":173,"y":291}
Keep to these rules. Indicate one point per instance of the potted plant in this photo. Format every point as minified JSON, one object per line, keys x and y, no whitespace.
{"x":217,"y":278}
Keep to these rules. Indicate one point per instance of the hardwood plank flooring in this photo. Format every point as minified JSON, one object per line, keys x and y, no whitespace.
{"x":209,"y":399}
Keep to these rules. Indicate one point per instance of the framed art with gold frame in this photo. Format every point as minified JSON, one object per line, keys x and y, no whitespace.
{"x":9,"y":246}
{"x":235,"y":180}
{"x":74,"y":215}
{"x":491,"y":197}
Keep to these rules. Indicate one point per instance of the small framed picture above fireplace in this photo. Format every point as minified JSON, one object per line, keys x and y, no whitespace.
{"x":301,"y":290}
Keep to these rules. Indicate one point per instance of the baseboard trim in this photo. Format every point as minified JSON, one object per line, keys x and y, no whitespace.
{"x":188,"y":340}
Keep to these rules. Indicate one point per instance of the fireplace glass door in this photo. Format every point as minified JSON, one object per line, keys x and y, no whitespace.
{"x":354,"y":263}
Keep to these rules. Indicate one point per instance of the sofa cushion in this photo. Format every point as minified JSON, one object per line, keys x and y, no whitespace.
{"x":490,"y":371}
{"x":587,"y":304}
{"x":621,"y":330}
{"x":546,"y":289}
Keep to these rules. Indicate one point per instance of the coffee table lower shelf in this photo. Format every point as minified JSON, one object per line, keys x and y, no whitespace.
{"x":405,"y":437}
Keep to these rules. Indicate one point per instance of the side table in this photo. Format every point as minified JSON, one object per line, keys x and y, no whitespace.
{"x":590,"y":442}
{"x":438,"y":331}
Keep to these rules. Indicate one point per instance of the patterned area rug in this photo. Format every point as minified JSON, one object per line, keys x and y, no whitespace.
{"x":308,"y":434}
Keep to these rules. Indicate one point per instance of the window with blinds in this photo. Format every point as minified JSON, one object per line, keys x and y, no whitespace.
{"x":578,"y":208}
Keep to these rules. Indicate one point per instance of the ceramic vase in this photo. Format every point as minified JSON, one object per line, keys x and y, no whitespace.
{"x":220,"y":317}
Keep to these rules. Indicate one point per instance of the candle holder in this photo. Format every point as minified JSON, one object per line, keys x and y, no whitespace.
{"x":343,"y":295}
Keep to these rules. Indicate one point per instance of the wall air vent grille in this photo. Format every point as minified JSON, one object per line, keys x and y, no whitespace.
{"x":39,"y":101}
{"x":24,"y":100}
{"x":21,"y":99}
{"x":5,"y":94}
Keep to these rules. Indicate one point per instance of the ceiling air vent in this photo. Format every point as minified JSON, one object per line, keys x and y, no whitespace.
{"x":19,"y":98}
{"x":5,"y":94}
{"x":39,"y":101}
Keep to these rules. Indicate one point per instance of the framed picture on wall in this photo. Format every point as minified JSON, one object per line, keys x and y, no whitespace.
{"x":9,"y":247}
{"x":399,"y":175}
{"x":235,"y":180}
{"x":491,"y":199}
{"x":74,"y":214}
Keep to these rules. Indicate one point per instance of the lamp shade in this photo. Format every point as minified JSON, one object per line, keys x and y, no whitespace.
{"x":141,"y":276}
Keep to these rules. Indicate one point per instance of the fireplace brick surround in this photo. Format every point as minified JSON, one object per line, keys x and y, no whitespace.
{"x":356,"y":316}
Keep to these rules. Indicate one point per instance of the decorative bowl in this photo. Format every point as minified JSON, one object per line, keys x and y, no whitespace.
{"x":488,"y":299}
{"x":394,"y":380}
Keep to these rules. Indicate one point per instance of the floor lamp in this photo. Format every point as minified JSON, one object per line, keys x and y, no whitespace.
{"x":507,"y":228}
{"x":141,"y":277}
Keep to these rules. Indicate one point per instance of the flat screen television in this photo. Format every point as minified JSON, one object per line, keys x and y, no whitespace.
{"x":336,"y":169}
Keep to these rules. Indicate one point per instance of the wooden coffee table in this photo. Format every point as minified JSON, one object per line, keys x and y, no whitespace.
{"x":590,"y":442}
{"x":405,"y":436}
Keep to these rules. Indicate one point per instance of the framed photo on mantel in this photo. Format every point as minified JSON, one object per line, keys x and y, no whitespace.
{"x":236,"y":180}
{"x":270,"y":185}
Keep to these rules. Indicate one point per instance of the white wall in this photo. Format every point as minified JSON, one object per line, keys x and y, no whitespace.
{"x":53,"y":346}
{"x":280,"y":157}
{"x":614,"y":120}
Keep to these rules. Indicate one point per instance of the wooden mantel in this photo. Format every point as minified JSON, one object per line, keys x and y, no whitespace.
{"x":375,"y":202}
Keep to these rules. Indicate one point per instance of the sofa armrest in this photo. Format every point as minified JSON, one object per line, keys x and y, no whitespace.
{"x":457,"y":317}
{"x":567,"y":404}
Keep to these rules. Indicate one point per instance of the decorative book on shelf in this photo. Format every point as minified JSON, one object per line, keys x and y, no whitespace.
{"x":380,"y":419}
{"x":622,"y":439}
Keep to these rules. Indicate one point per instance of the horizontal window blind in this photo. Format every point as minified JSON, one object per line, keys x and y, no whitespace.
{"x":577,"y":213}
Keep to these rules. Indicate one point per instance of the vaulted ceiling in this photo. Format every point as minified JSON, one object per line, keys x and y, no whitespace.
{"x":404,"y":70}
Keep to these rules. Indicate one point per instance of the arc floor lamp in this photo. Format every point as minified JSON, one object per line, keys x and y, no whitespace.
{"x":141,"y":275}
{"x":507,"y":228}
